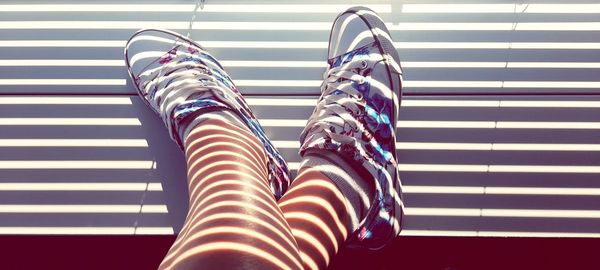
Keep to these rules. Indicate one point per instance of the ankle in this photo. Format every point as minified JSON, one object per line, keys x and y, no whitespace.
{"x":357,"y":191}
{"x":220,"y":118}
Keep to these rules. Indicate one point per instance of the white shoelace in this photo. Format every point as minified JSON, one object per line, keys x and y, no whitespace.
{"x":332,"y":108}
{"x":176,"y":82}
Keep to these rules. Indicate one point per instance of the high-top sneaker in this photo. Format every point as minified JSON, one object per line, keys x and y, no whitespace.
{"x":357,"y":114}
{"x":180,"y":81}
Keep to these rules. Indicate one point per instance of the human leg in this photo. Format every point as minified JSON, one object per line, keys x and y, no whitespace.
{"x":317,"y":211}
{"x":353,"y":130}
{"x":234,"y":173}
{"x":233,"y":220}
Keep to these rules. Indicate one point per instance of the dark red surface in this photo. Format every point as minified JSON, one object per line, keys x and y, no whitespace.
{"x":443,"y":253}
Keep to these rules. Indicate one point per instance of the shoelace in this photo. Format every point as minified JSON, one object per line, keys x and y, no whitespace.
{"x":340,"y":96}
{"x":184,"y":77}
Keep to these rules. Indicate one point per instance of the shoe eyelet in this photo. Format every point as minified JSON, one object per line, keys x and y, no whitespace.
{"x":363,"y":64}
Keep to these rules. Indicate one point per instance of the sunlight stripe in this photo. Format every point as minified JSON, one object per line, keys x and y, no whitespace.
{"x":450,"y":103}
{"x":548,"y":125}
{"x":307,"y":64}
{"x":540,"y":213}
{"x":154,"y":208}
{"x":76,"y":164}
{"x":68,"y":230}
{"x":544,"y":147}
{"x":555,"y":191}
{"x":401,"y":124}
{"x":559,"y":26}
{"x":212,"y":8}
{"x":563,"y":8}
{"x":266,"y":44}
{"x":500,"y":65}
{"x":453,"y":84}
{"x":154,"y":231}
{"x":317,"y":83}
{"x":62,"y":43}
{"x":455,"y":124}
{"x":446,"y":124}
{"x":282,"y":123}
{"x":499,"y":168}
{"x":485,"y":212}
{"x":93,"y":82}
{"x":544,"y":169}
{"x":317,"y":8}
{"x":453,"y":64}
{"x":180,"y":25}
{"x":313,"y":44}
{"x":70,"y":122}
{"x":281,"y":101}
{"x":556,"y":45}
{"x":458,"y":8}
{"x":286,"y":144}
{"x":550,"y":84}
{"x":549,"y":104}
{"x":83,"y":186}
{"x":303,"y":64}
{"x":301,"y":26}
{"x":462,"y":212}
{"x":279,"y":83}
{"x":472,"y":146}
{"x":552,"y":65}
{"x":501,"y":8}
{"x":409,"y":232}
{"x":87,"y":230}
{"x":442,"y":146}
{"x":442,"y":168}
{"x":543,"y":191}
{"x":62,"y":63}
{"x":498,"y":45}
{"x":73,"y":143}
{"x":82,"y":208}
{"x":311,"y":102}
{"x":442,"y":189}
{"x":448,"y":26}
{"x":483,"y":26}
{"x":536,"y":234}
{"x":452,"y":45}
{"x":63,"y":100}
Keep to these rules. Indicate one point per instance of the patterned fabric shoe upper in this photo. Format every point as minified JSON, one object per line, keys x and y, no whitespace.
{"x":184,"y":81}
{"x":356,"y":117}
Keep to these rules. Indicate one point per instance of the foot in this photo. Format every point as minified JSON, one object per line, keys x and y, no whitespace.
{"x":180,"y":81}
{"x":356,"y":117}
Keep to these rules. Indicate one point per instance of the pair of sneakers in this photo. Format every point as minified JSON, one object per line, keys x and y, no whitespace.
{"x":355,"y":116}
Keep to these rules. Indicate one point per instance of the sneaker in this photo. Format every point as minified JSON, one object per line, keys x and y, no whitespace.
{"x":356,"y":117}
{"x":179,"y":80}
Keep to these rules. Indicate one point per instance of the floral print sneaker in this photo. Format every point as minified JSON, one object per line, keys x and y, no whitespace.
{"x":179,"y":80}
{"x":356,"y":117}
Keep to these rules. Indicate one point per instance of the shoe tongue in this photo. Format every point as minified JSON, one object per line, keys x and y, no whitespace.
{"x":349,"y":56}
{"x":349,"y":33}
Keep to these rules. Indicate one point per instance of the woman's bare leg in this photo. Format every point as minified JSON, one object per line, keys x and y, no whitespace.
{"x":354,"y":121}
{"x":233,"y":220}
{"x":314,"y":207}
